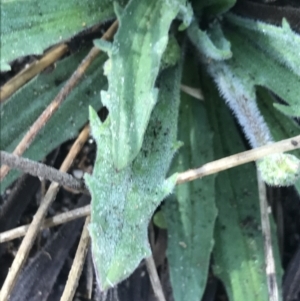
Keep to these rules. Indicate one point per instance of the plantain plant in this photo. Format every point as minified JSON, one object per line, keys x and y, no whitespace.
{"x":154,"y":131}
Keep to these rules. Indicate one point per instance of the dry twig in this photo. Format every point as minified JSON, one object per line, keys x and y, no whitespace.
{"x":194,"y":92}
{"x":49,"y":222}
{"x":35,"y":68}
{"x":238,"y":159}
{"x":54,"y":105}
{"x":38,"y":218}
{"x":156,"y":285}
{"x":77,"y":265}
{"x":266,"y":231}
{"x":42,"y":171}
{"x":89,"y":274}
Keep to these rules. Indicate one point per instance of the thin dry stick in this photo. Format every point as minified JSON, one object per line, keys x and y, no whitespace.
{"x":42,"y":171}
{"x":156,"y":285}
{"x":266,"y":231}
{"x":194,"y":92}
{"x":27,"y":243}
{"x":238,"y":159}
{"x":38,"y":218}
{"x":35,"y":68}
{"x":77,"y":265}
{"x":54,"y":105}
{"x":56,"y":220}
{"x":89,"y":275}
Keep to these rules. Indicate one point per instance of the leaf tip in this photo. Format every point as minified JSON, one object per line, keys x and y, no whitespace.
{"x":103,"y":45}
{"x":280,"y":169}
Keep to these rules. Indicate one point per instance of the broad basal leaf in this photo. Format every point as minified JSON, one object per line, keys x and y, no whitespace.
{"x":190,"y":212}
{"x":20,"y":111}
{"x":123,"y":201}
{"x":135,"y":57}
{"x":28,"y":27}
{"x":239,"y":250}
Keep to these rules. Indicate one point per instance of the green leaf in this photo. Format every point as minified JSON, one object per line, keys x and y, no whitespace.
{"x":211,"y":43}
{"x":239,"y":249}
{"x":123,"y":201}
{"x":172,"y":54}
{"x":135,"y":57}
{"x":236,"y":79}
{"x":186,"y":15}
{"x":281,"y":43}
{"x":30,"y":27}
{"x":159,"y":220}
{"x":281,"y":126}
{"x":268,"y":63}
{"x":280,"y":169}
{"x":20,"y":111}
{"x":190,"y":213}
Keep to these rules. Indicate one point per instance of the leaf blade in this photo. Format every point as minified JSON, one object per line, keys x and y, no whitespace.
{"x":44,"y":23}
{"x":191,"y":212}
{"x":32,"y":99}
{"x":135,"y":57}
{"x":239,"y":249}
{"x":123,"y":201}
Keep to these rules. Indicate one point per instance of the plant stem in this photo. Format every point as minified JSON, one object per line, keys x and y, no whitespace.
{"x":77,"y":265}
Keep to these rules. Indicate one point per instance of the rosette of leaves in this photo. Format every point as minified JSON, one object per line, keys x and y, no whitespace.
{"x":137,"y":141}
{"x":217,"y":47}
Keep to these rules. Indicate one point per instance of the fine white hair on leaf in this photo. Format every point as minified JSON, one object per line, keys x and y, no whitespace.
{"x":280,"y":169}
{"x":280,"y":42}
{"x":240,"y":96}
{"x":239,"y":93}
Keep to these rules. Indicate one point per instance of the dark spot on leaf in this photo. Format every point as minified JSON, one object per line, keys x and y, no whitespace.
{"x":294,"y":142}
{"x":58,"y":81}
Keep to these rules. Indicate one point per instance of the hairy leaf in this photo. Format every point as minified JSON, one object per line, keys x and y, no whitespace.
{"x":280,"y":169}
{"x":29,"y":27}
{"x":281,"y":43}
{"x":267,"y":64}
{"x":123,"y":201}
{"x":30,"y":101}
{"x":240,"y":97}
{"x":281,"y":126}
{"x":135,"y":57}
{"x":236,"y":79}
{"x":239,"y":250}
{"x":190,"y":213}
